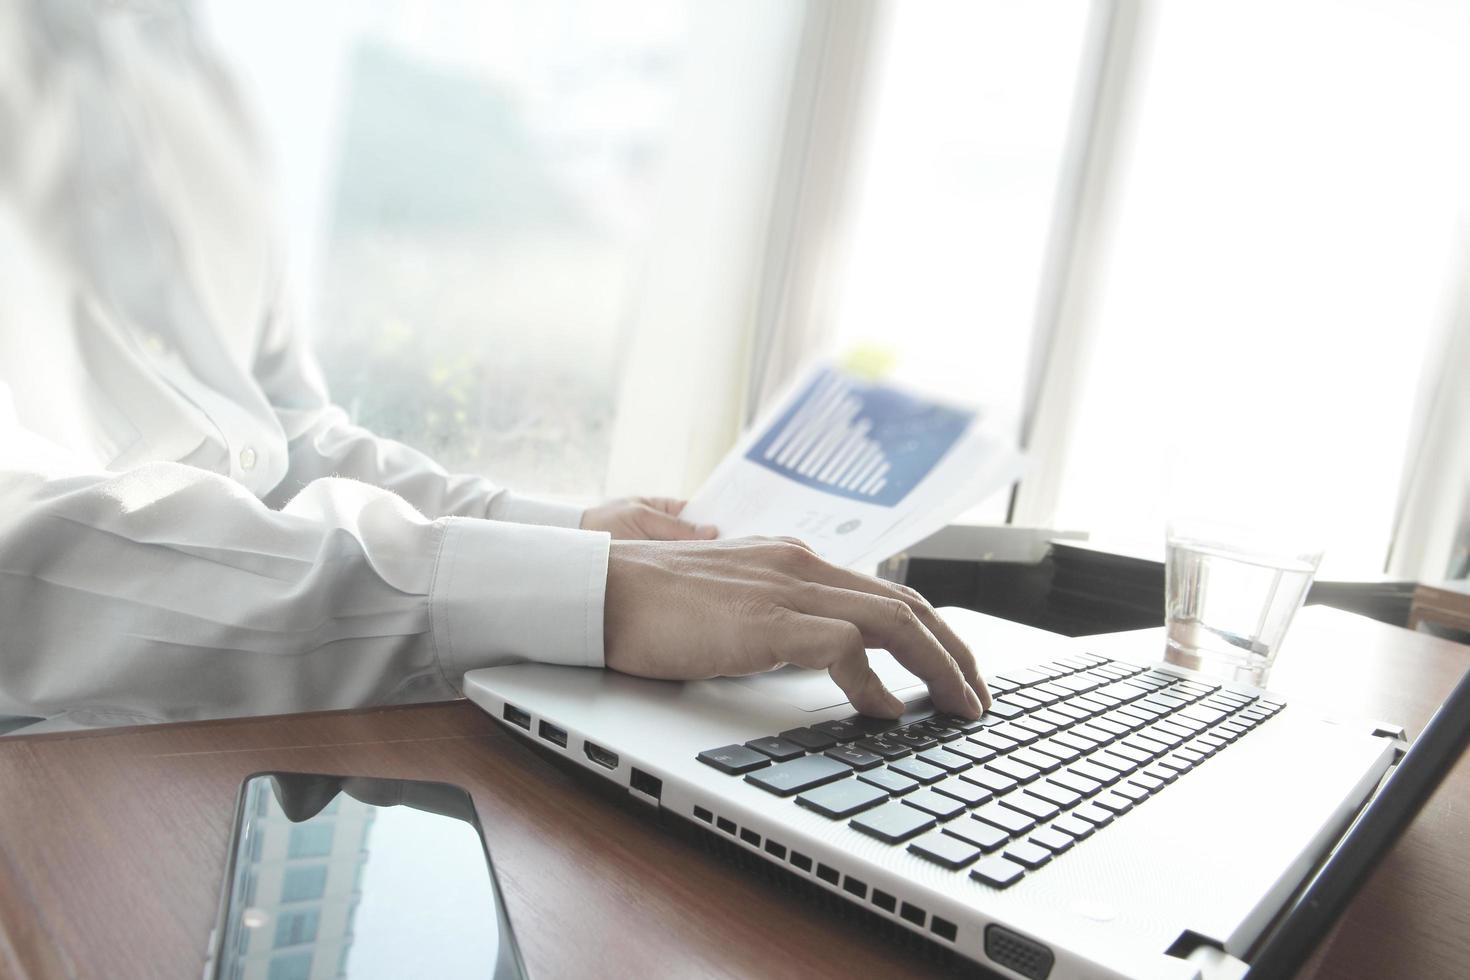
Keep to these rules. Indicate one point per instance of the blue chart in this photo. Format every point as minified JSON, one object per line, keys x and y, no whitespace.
{"x":862,"y":441}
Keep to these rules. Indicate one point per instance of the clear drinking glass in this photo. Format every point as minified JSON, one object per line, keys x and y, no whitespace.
{"x":1229,"y":596}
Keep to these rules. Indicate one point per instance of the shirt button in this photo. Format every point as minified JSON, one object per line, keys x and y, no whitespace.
{"x":247,"y":458}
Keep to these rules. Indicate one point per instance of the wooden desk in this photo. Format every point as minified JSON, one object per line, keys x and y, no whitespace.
{"x":112,"y":843}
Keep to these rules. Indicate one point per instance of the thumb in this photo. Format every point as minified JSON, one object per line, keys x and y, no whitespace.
{"x":659,"y":526}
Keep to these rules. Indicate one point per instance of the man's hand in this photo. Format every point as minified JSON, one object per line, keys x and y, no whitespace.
{"x":686,"y":610}
{"x":644,"y":519}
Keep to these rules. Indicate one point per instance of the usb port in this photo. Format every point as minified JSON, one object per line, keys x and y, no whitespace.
{"x":600,"y":755}
{"x":553,"y":734}
{"x":516,"y":716}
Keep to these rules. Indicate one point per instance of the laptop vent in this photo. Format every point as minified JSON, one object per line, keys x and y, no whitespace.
{"x":881,"y":900}
{"x":1014,"y":951}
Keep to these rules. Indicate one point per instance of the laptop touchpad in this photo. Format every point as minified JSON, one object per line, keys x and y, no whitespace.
{"x":813,"y":690}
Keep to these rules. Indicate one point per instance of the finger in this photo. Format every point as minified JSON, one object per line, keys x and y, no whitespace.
{"x":667,"y":505}
{"x":889,"y":623}
{"x":836,"y":647}
{"x":658,"y":526}
{"x":957,"y":649}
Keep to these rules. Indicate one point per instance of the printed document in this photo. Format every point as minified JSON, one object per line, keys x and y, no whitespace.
{"x":859,"y":469}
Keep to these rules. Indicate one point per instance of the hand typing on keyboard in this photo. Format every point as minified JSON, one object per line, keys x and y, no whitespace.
{"x":695,"y":609}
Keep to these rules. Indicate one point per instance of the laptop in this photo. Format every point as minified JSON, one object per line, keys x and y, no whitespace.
{"x":1102,"y":820}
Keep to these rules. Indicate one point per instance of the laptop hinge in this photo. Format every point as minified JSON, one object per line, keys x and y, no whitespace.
{"x":1395,"y":734}
{"x":1214,"y":963}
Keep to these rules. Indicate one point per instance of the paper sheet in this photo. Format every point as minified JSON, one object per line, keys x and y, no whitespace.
{"x":857,"y":468}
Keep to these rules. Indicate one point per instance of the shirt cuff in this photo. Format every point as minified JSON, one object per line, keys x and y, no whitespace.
{"x":510,"y":592}
{"x":508,"y":506}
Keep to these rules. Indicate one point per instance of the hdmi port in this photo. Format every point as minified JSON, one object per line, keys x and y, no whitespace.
{"x":600,"y":755}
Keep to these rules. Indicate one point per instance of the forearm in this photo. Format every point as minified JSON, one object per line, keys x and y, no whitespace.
{"x":170,"y":593}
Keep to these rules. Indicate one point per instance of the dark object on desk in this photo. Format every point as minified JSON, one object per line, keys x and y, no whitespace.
{"x":376,"y":877}
{"x":1079,"y":589}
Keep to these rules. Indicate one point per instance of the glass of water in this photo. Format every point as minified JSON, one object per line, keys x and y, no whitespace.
{"x":1229,"y":596}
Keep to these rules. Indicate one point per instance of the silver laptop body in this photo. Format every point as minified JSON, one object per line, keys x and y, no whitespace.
{"x":1208,"y":858}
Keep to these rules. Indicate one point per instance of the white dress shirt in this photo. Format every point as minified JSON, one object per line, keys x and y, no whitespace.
{"x":188,"y":527}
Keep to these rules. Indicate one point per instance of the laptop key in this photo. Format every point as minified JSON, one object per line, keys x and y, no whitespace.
{"x":853,"y":756}
{"x":883,"y":747}
{"x":1161,"y":772}
{"x":798,"y":775}
{"x":1149,"y":782}
{"x":945,"y":849}
{"x":948,"y":761}
{"x":1014,"y":732}
{"x":1071,"y":739}
{"x":991,"y":780}
{"x":1011,"y":821}
{"x":934,"y":803}
{"x":1053,"y":793}
{"x":1018,"y":771}
{"x":1095,"y":815}
{"x":840,"y":729}
{"x":1002,"y":708}
{"x":1075,"y":712}
{"x":966,"y":726}
{"x":1026,"y":853}
{"x":809,"y":739}
{"x":1092,"y":733}
{"x":968,"y":793}
{"x":1113,"y":802}
{"x":777,"y":748}
{"x":997,"y":871}
{"x":1058,"y":751}
{"x":1033,"y":806}
{"x":1035,"y":725}
{"x":1036,"y":760}
{"x":992,"y":741}
{"x":1120,"y":761}
{"x":1145,"y":744}
{"x":895,"y":783}
{"x":893,"y":822}
{"x":1053,"y":840}
{"x":842,"y":799}
{"x":1073,"y":827}
{"x":1076,"y":783}
{"x":1135,"y":793}
{"x":915,"y":740}
{"x":917,"y":769}
{"x":985,"y":836}
{"x":1113,"y":727}
{"x":971,"y":749}
{"x":1090,"y":770}
{"x":734,"y":759}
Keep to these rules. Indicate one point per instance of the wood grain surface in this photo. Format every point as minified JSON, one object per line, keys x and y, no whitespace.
{"x":112,"y":843}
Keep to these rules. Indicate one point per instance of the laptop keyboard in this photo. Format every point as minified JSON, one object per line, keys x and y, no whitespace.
{"x":1066,"y":748}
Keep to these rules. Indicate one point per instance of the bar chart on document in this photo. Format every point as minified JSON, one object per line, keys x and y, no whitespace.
{"x":855,"y":468}
{"x":866,"y":442}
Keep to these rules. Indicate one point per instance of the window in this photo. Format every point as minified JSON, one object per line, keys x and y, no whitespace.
{"x":1280,"y":264}
{"x":301,"y":884}
{"x":296,"y":927}
{"x":960,"y":168}
{"x":310,"y":840}
{"x":503,"y":217}
{"x":290,"y":966}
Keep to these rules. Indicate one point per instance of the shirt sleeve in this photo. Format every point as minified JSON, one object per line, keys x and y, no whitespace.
{"x":170,"y":593}
{"x":323,"y":442}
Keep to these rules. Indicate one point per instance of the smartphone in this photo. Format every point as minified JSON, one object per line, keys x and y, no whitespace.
{"x":343,"y":876}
